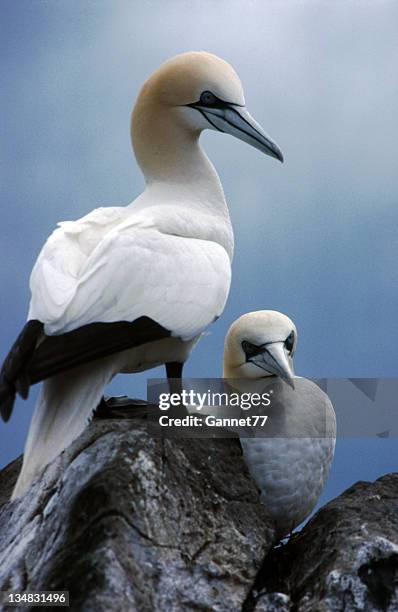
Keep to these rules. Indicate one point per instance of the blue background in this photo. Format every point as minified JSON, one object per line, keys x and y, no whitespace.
{"x":315,"y":238}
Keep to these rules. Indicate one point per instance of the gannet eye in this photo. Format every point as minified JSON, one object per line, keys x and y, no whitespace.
{"x":289,"y":342}
{"x":251,"y":350}
{"x":207,"y":98}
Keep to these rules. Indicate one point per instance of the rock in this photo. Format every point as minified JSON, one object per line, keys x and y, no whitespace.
{"x":128,"y":521}
{"x":345,"y":558}
{"x":8,"y":477}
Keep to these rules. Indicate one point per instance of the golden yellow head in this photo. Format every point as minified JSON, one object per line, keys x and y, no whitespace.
{"x":187,"y":94}
{"x":182,"y":79}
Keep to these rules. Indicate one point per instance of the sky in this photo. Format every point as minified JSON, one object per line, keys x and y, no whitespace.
{"x":315,"y":237}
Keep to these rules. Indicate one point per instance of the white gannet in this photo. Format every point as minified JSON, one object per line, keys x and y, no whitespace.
{"x":125,"y":289}
{"x":291,"y":466}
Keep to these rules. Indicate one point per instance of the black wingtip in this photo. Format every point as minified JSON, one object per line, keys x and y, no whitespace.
{"x":22,"y":385}
{"x":56,"y":354}
{"x":7,"y":399}
{"x":14,"y":376}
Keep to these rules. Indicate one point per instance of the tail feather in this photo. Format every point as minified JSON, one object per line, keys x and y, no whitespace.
{"x":64,"y":407}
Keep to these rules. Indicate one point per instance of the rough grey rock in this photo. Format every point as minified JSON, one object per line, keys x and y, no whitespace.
{"x":345,"y":558}
{"x":127,"y":521}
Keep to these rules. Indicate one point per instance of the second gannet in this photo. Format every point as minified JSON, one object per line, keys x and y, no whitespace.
{"x":290,"y":466}
{"x":125,"y":289}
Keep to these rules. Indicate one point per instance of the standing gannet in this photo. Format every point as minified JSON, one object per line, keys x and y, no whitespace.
{"x":125,"y":289}
{"x":291,"y":466}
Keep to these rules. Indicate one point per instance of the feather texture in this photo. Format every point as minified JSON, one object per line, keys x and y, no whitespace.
{"x":131,"y":288}
{"x":134,"y":270}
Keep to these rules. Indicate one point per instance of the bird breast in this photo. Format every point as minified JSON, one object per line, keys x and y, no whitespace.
{"x":290,"y":473}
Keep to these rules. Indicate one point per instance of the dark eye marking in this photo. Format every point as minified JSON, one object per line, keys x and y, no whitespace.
{"x":207,"y":98}
{"x":289,"y":342}
{"x":251,"y":350}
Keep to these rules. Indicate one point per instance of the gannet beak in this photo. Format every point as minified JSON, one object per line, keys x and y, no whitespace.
{"x":275,"y":361}
{"x":237,"y":121}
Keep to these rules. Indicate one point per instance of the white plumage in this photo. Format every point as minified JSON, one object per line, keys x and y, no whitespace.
{"x":142,"y":265}
{"x":291,"y":472}
{"x":165,"y":257}
{"x":291,"y":464}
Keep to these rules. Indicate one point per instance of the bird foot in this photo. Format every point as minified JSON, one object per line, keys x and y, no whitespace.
{"x":124,"y":407}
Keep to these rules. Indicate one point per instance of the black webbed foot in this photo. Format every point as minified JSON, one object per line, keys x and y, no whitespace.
{"x":124,"y":407}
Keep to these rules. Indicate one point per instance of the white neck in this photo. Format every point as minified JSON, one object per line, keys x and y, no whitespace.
{"x":168,"y":150}
{"x":177,"y":171}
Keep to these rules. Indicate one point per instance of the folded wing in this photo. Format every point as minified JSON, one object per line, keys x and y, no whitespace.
{"x":181,"y":283}
{"x":136,"y":285}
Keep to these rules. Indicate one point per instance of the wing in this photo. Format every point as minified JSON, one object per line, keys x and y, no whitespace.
{"x":136,"y":286}
{"x":13,"y":375}
{"x":35,"y":356}
{"x":108,"y":282}
{"x":57,"y":269}
{"x":53,"y":284}
{"x":181,"y":283}
{"x":88,"y":343}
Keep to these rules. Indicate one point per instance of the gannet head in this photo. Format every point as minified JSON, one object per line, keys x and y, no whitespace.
{"x":259,"y":344}
{"x":196,"y":91}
